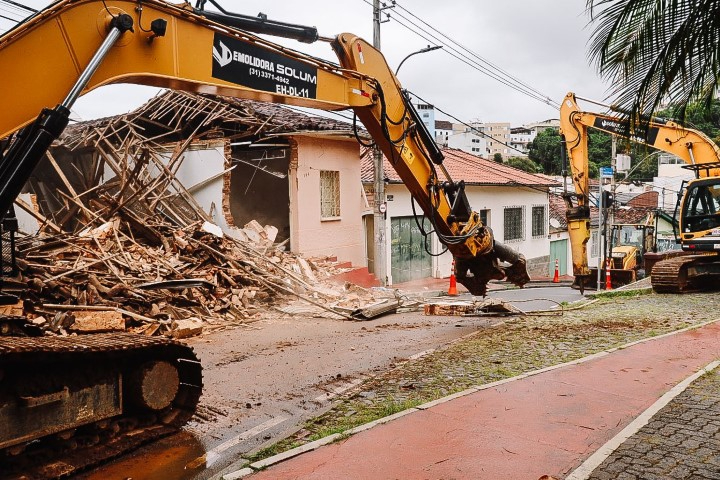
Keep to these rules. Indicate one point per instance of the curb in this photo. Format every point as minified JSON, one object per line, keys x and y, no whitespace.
{"x":262,"y":464}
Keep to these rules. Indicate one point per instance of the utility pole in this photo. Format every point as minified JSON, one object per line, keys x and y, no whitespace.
{"x":601,"y":236}
{"x":380,"y":245}
{"x":610,"y":217}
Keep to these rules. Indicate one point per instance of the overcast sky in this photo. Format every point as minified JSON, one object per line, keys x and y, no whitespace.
{"x":541,"y":42}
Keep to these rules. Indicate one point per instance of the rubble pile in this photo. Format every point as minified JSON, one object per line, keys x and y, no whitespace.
{"x":122,"y":243}
{"x":108,"y":278}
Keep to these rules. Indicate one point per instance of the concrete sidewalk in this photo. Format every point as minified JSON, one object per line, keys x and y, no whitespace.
{"x":545,"y":423}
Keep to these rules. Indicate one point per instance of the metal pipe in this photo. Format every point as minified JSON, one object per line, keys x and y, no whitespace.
{"x":692,"y":157}
{"x":261,"y":24}
{"x":113,"y":36}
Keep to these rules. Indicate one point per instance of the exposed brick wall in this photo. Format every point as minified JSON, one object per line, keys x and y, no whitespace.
{"x":293,"y":154}
{"x":226,"y":191}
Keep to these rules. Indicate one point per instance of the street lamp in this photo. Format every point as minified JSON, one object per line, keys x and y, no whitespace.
{"x":429,"y":48}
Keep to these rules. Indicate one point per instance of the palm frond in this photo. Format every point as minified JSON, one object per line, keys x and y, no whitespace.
{"x":656,"y":51}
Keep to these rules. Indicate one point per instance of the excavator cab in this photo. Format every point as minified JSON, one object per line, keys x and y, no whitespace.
{"x":700,"y":215}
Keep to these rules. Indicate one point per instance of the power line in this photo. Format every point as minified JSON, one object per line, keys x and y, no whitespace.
{"x":495,"y":75}
{"x":8,"y":18}
{"x":481,"y":59}
{"x":19,"y":6}
{"x":472,"y":64}
{"x":464,"y":123}
{"x":488,"y":69}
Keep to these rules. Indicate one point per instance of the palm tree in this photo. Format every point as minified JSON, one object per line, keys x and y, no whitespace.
{"x":657,"y":51}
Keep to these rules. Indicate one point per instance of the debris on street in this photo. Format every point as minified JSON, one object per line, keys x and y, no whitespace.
{"x":488,"y":306}
{"x":122,"y":244}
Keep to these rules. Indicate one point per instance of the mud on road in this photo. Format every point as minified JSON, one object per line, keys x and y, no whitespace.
{"x":515,"y":346}
{"x":303,"y":378}
{"x":266,"y":379}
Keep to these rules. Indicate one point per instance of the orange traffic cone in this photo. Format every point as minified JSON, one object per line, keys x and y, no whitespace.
{"x":556,"y":278}
{"x":452,"y":291}
{"x":608,"y":282}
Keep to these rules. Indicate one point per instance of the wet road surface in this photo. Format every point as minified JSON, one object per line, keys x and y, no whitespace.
{"x":266,"y":379}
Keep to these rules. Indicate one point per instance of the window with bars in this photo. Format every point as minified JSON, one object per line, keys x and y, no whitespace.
{"x":514,"y":223}
{"x":329,"y":194}
{"x":539,"y":222}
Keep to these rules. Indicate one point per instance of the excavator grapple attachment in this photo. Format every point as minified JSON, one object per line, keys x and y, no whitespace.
{"x":501,"y":263}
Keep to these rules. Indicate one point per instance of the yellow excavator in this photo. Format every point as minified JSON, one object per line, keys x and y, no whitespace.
{"x":95,"y":390}
{"x":629,"y":242}
{"x":698,"y":207}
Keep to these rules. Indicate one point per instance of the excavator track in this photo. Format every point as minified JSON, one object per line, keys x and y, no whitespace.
{"x":70,"y":403}
{"x":681,"y":274}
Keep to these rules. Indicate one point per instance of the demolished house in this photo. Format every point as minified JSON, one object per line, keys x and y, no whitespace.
{"x":178,"y":216}
{"x":237,"y":160}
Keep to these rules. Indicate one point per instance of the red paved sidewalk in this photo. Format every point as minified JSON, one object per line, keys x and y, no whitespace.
{"x":542,"y":424}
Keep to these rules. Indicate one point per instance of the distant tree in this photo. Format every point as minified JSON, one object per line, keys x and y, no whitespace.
{"x":593,"y":170}
{"x":544,"y":150}
{"x":498,"y":158}
{"x":698,"y":115}
{"x":599,"y":148}
{"x":648,"y":163}
{"x":523,"y":163}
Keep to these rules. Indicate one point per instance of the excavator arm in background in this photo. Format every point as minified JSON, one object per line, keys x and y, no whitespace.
{"x":176,"y":46}
{"x":698,"y":152}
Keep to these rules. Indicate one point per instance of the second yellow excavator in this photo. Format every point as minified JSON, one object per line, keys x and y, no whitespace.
{"x":698,"y":209}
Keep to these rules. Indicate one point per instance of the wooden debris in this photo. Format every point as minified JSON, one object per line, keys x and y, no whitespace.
{"x":117,"y":219}
{"x":449,"y":308}
{"x":188,"y":327}
{"x":12,"y":310}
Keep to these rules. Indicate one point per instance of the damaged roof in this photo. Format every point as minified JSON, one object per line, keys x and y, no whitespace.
{"x":172,"y":115}
{"x":473,"y":169}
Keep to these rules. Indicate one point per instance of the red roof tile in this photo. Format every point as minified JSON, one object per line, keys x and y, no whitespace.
{"x":622,"y":215}
{"x":645,"y":199}
{"x":465,"y":166}
{"x":631,"y":215}
{"x":557,"y":211}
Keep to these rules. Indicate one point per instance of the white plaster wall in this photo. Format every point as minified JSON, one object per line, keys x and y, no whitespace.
{"x":480,"y":198}
{"x":312,"y":236}
{"x":201,"y":163}
{"x":26,"y":222}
